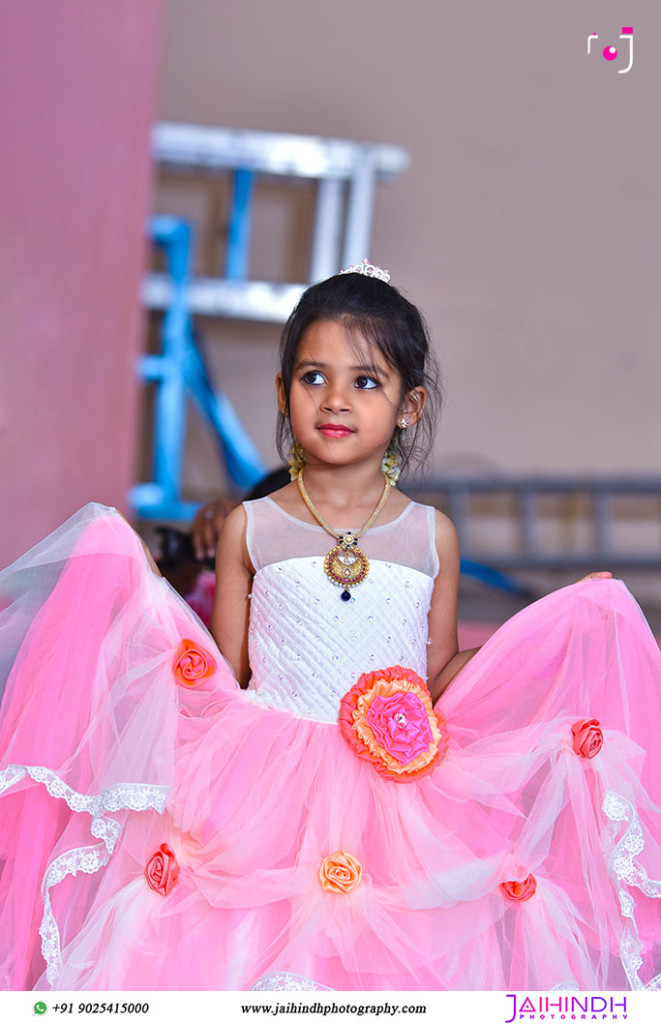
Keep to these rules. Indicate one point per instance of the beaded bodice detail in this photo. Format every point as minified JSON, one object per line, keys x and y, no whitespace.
{"x":307,"y":647}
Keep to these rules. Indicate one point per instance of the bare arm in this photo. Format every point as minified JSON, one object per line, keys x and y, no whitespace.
{"x":231,"y":608}
{"x":444,"y":660}
{"x":452,"y":669}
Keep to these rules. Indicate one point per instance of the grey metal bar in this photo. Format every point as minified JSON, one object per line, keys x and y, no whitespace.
{"x":544,"y":484}
{"x":602,"y":518}
{"x":459,"y":511}
{"x":300,"y":156}
{"x":241,"y":300}
{"x":528,"y":511}
{"x":327,"y":230}
{"x":359,"y":211}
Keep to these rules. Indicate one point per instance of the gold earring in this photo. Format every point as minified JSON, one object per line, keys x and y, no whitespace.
{"x":391,"y":464}
{"x":295,"y":458}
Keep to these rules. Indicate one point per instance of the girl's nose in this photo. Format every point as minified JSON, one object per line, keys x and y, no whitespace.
{"x":336,"y":399}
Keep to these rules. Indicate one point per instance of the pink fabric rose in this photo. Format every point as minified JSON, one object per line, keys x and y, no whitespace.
{"x":192,"y":662}
{"x":400,"y":724}
{"x":519,"y":892}
{"x":587,"y":737}
{"x":162,"y":871}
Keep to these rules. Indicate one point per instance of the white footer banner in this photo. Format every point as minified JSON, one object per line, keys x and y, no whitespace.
{"x":332,"y":1007}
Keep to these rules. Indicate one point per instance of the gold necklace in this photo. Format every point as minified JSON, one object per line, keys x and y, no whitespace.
{"x":346,"y":564}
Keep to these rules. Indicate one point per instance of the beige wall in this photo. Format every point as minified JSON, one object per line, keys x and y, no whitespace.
{"x":527,"y":228}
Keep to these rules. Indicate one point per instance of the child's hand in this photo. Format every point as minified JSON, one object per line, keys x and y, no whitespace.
{"x":596,"y":576}
{"x":206,"y":527}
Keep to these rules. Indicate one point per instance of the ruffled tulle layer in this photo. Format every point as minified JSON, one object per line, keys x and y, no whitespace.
{"x":529,"y":858}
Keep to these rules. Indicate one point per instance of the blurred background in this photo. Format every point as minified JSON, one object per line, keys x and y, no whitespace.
{"x":506,"y":178}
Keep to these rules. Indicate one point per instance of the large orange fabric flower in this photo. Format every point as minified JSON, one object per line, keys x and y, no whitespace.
{"x":340,"y":872}
{"x":192,"y":662}
{"x":388,"y":719}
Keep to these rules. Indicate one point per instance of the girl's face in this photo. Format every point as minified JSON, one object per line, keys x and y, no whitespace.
{"x":345,"y":399}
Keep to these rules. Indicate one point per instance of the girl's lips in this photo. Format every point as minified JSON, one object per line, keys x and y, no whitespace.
{"x":334,"y":430}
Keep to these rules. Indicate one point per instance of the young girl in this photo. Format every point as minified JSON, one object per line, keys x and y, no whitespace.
{"x":336,"y":824}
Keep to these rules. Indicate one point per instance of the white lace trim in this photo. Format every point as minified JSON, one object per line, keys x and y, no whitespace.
{"x":86,"y":858}
{"x":625,"y":870}
{"x":14,"y":773}
{"x":132,"y":796}
{"x":283,"y":981}
{"x":89,"y":859}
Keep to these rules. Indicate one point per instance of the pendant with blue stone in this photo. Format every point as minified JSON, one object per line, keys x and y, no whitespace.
{"x":346,"y":565}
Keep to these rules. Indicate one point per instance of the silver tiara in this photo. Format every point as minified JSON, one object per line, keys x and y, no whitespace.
{"x":368,"y":270}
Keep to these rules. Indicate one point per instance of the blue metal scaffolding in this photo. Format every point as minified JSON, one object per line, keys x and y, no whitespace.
{"x":346,"y":174}
{"x":179,"y":373}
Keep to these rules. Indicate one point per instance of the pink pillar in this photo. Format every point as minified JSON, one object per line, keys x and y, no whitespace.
{"x":77,"y":87}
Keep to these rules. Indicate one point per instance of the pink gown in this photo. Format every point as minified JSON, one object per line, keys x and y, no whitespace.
{"x":162,"y":829}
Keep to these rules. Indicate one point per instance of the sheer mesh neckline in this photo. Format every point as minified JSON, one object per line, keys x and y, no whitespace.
{"x":314,"y":526}
{"x":274,"y":535}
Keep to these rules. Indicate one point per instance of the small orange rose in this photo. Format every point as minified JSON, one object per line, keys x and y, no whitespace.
{"x":519,"y":892}
{"x":587,"y":737}
{"x":192,"y":663}
{"x":340,"y":872}
{"x":162,"y":871}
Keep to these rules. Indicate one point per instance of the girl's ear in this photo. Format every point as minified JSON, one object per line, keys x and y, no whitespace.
{"x":413,"y":405}
{"x":282,"y":397}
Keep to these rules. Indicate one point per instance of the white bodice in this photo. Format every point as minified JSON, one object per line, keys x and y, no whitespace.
{"x":307,"y":646}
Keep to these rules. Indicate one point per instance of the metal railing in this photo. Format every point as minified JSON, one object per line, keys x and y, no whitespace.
{"x":595,"y":515}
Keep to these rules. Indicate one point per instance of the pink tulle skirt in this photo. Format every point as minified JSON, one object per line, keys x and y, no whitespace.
{"x":159,"y":830}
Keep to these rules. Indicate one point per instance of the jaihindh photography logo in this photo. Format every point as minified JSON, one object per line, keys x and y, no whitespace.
{"x":572,"y":1006}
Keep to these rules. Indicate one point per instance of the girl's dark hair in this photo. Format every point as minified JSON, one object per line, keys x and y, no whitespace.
{"x":379,"y":313}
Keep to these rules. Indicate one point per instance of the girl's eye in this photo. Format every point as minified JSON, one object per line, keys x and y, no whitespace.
{"x":366,"y":383}
{"x":313,"y":377}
